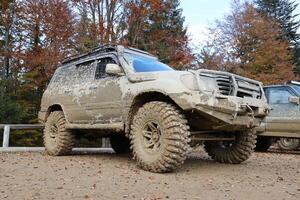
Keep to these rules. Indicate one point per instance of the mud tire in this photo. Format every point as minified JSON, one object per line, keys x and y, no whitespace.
{"x":288,"y":144}
{"x":120,"y":143}
{"x":239,"y":150}
{"x":173,"y":146}
{"x":57,"y":139}
{"x":263,"y":144}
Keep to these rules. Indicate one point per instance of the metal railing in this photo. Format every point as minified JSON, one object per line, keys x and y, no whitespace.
{"x":7,"y":127}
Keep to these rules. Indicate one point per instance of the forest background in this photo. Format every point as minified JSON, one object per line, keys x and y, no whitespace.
{"x":259,"y":39}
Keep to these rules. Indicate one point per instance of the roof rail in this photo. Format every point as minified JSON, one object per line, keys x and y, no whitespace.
{"x":100,"y":48}
{"x":140,"y":51}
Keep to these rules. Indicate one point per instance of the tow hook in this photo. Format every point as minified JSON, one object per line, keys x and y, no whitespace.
{"x":250,"y":114}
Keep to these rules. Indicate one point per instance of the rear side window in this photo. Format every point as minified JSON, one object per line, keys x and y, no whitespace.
{"x":75,"y":74}
{"x":279,"y":95}
{"x":62,"y":76}
{"x":84,"y":72}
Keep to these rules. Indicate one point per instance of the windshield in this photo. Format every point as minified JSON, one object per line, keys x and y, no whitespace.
{"x":146,"y":64}
{"x":297,"y":88}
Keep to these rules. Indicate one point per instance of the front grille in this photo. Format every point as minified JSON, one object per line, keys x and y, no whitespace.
{"x":232,"y":85}
{"x":249,"y":89}
{"x":224,"y":85}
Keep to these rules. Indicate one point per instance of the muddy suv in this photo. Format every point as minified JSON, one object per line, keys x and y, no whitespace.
{"x":158,"y":112}
{"x":283,"y":123}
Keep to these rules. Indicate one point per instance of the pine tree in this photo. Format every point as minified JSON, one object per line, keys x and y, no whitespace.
{"x":172,"y":45}
{"x":284,"y":13}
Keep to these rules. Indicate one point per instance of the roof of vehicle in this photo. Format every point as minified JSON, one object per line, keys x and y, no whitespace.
{"x":104,"y":49}
{"x":289,"y":83}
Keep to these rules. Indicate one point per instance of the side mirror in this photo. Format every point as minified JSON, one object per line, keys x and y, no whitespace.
{"x":294,"y":99}
{"x":113,"y":69}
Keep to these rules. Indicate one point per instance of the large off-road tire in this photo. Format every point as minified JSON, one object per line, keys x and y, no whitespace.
{"x":289,"y":144}
{"x":159,"y":137}
{"x":57,"y":139}
{"x":233,"y":152}
{"x":263,"y":143}
{"x":120,"y":143}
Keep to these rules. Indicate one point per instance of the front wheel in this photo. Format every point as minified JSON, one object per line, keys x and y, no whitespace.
{"x":289,"y":144}
{"x":233,"y":152}
{"x":159,"y":137}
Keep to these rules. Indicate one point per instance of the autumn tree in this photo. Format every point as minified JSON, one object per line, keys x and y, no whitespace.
{"x":158,"y":27}
{"x":99,"y":22}
{"x":283,"y":11}
{"x":47,"y":27}
{"x":40,"y":36}
{"x":151,"y":25}
{"x":249,"y":43}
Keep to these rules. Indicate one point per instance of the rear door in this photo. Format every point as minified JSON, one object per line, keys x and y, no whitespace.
{"x":81,"y":82}
{"x":283,"y":113}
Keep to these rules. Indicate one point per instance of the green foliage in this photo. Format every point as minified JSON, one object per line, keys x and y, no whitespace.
{"x":10,"y":110}
{"x":26,"y":138}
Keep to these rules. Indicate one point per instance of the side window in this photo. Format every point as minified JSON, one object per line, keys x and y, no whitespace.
{"x":62,"y":76}
{"x":279,"y":95}
{"x":84,"y":71}
{"x":101,"y":64}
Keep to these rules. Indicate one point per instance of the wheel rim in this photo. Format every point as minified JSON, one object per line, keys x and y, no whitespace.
{"x":287,"y":142}
{"x":226,"y":144}
{"x":152,"y":134}
{"x":53,"y":132}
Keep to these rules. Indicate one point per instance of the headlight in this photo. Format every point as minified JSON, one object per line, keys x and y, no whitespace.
{"x":189,"y":81}
{"x":207,"y":84}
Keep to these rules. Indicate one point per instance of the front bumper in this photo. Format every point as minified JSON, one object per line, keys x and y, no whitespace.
{"x":231,"y":110}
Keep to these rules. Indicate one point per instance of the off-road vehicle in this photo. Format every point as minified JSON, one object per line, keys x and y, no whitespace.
{"x":282,"y":125}
{"x":127,"y":93}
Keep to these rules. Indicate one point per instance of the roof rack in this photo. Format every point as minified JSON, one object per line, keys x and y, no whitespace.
{"x":99,"y":49}
{"x":294,"y":82}
{"x":102,"y":49}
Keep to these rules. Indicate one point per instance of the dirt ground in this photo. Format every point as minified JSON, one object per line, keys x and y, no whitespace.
{"x":110,"y":176}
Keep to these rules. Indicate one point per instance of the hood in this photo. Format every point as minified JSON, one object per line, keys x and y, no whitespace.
{"x":150,"y":76}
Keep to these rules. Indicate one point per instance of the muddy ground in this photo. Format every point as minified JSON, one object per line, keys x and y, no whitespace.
{"x":111,"y":176}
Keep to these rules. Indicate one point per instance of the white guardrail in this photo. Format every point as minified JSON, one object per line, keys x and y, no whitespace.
{"x":7,"y":127}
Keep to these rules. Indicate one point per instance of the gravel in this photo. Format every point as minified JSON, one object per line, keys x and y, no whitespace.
{"x":110,"y":176}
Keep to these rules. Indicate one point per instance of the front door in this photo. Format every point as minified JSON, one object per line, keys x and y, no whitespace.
{"x":106,"y":104}
{"x":283,"y":113}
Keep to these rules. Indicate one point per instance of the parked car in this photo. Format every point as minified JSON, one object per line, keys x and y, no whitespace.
{"x":282,"y":125}
{"x":130,"y":96}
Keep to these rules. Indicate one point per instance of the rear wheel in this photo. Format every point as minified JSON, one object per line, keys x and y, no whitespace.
{"x":120,"y":143}
{"x":289,"y":143}
{"x":57,"y":139}
{"x":233,"y":152}
{"x":263,"y":144}
{"x":159,"y":137}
